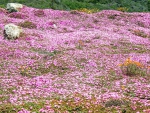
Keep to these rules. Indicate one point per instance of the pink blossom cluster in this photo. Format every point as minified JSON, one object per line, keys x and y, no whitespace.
{"x":69,"y":53}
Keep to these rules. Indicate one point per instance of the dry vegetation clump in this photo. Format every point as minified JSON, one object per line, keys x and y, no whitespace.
{"x":18,"y":15}
{"x":27,"y":24}
{"x":140,"y":33}
{"x":39,"y":13}
{"x":123,"y":9}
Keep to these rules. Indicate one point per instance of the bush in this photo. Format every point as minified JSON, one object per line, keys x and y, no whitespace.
{"x":131,"y":68}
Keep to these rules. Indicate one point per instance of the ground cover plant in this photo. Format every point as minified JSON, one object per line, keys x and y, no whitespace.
{"x":78,"y":61}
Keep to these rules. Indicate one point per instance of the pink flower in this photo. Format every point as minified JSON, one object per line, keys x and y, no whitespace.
{"x":24,"y":111}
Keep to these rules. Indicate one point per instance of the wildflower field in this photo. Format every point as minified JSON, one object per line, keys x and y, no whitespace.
{"x":75,"y":61}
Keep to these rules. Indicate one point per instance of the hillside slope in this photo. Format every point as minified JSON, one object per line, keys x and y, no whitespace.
{"x":61,"y":54}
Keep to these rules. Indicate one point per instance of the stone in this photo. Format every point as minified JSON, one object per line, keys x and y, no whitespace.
{"x":12,"y":31}
{"x":13,"y":7}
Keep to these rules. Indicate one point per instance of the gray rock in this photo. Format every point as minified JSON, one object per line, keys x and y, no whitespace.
{"x":13,"y":7}
{"x":12,"y":31}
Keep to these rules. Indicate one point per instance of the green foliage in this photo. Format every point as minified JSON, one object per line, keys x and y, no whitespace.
{"x":75,"y":4}
{"x":27,"y":24}
{"x":148,"y":5}
{"x":131,"y":68}
{"x":131,"y":5}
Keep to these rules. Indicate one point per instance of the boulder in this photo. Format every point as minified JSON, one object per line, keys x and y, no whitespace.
{"x":12,"y":31}
{"x":13,"y":7}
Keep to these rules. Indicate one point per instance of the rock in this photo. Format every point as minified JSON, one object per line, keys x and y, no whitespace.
{"x":12,"y":31}
{"x":14,"y":7}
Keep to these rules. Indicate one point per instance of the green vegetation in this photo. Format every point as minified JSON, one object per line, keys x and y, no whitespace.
{"x":121,"y":5}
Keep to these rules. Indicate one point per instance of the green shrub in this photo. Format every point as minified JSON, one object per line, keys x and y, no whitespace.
{"x":131,"y":68}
